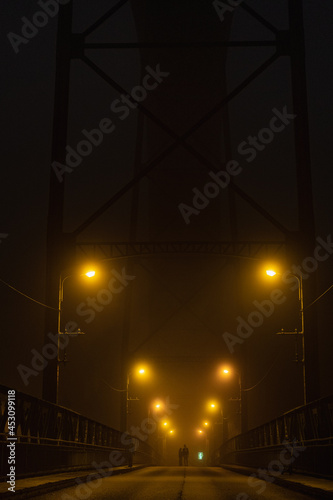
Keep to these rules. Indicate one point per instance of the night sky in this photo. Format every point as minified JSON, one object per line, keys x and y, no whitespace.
{"x":174,"y":308}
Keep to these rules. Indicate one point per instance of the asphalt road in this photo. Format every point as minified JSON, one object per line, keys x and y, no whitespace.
{"x":176,"y":483}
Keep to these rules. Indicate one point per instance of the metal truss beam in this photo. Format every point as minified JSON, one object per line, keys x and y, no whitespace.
{"x":176,"y":45}
{"x":181,"y":141}
{"x":256,"y":250}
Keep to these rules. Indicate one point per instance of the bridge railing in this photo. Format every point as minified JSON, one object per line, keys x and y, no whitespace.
{"x":301,"y":439}
{"x":51,"y":437}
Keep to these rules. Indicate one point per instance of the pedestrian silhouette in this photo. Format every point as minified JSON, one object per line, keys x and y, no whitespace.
{"x":180,"y":455}
{"x":185,"y":454}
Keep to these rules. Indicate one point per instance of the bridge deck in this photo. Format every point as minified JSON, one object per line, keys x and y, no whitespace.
{"x":320,"y":488}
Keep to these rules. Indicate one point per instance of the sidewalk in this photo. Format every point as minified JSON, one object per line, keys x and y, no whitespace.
{"x":30,"y":486}
{"x":309,"y":485}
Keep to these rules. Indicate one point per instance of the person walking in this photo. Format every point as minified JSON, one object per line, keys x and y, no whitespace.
{"x":185,"y":454}
{"x":180,"y":456}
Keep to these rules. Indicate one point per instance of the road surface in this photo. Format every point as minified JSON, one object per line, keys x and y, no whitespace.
{"x":176,"y":483}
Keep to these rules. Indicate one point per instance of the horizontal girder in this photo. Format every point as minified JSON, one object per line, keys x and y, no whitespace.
{"x":240,"y":249}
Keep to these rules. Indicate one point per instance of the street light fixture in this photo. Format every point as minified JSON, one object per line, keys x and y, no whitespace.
{"x":299,"y":279}
{"x":228,"y":371}
{"x":140,"y":371}
{"x":156,"y":407}
{"x":212,"y":428}
{"x":165,"y":432}
{"x":89,"y":274}
{"x":62,"y":280}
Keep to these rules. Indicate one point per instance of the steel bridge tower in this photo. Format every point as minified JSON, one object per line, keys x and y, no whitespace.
{"x":220,"y":73}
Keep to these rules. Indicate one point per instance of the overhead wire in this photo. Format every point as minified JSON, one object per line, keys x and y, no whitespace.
{"x":263,"y":378}
{"x":113,"y":388}
{"x":28,"y":296}
{"x":320,"y":296}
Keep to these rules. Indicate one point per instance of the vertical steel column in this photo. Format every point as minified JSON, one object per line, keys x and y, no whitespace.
{"x":125,"y":349}
{"x":57,"y":244}
{"x":304,"y":185}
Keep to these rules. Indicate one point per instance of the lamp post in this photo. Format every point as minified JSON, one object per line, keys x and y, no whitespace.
{"x":205,"y":433}
{"x":164,"y":432}
{"x":127,"y":394}
{"x":156,"y":407}
{"x":216,"y":434}
{"x":297,"y":332}
{"x":140,"y":371}
{"x":89,"y":274}
{"x":154,"y":415}
{"x":227,"y":371}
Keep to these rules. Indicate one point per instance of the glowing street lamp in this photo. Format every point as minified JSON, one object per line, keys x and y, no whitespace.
{"x":157,"y":406}
{"x":213,"y":407}
{"x":90,"y":274}
{"x":299,"y":279}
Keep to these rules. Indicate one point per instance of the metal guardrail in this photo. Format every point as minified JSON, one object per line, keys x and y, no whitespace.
{"x":53,"y":437}
{"x":307,"y":432}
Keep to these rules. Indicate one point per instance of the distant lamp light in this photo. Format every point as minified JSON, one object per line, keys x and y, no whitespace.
{"x":270,"y":272}
{"x":90,"y":274}
{"x":142,"y":370}
{"x":200,"y":455}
